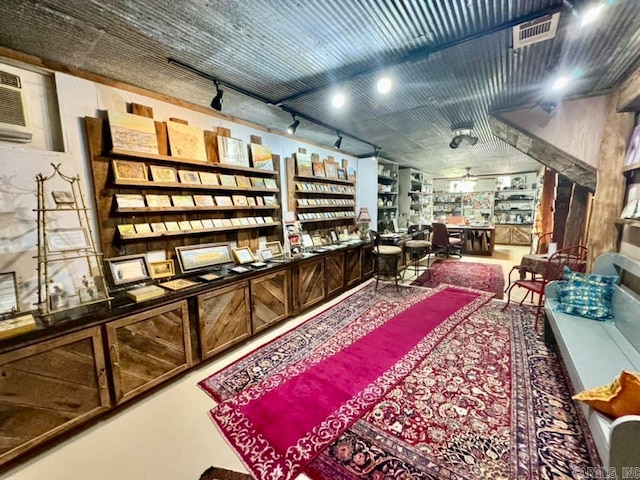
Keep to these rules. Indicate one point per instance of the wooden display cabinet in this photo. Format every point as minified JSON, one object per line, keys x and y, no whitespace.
{"x":352,"y":266}
{"x":513,"y":235}
{"x":224,"y":318}
{"x":367,"y":259}
{"x":149,"y":347}
{"x":270,"y":299}
{"x":334,"y":272}
{"x":49,"y":388}
{"x":308,"y":284}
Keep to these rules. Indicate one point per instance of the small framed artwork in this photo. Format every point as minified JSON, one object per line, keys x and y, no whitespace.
{"x":163,"y":174}
{"x":243,"y":255}
{"x":198,"y":257}
{"x":275,"y":248}
{"x":187,"y":176}
{"x":351,"y":174}
{"x":342,"y":173}
{"x":129,"y":200}
{"x":318,"y":169}
{"x":209,"y":178}
{"x":67,"y":239}
{"x":232,"y":151}
{"x":62,"y":197}
{"x":334,"y":236}
{"x":158,"y":200}
{"x":8,"y":293}
{"x":303,"y":164}
{"x":162,"y":269}
{"x":266,"y":254}
{"x":128,"y":269}
{"x":124,"y":170}
{"x":330,"y":169}
{"x":261,"y":157}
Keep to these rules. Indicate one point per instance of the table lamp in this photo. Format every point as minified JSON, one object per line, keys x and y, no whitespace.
{"x":363,"y":223}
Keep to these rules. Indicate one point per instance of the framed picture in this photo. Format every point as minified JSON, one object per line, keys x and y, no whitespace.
{"x":330,"y":169}
{"x":198,"y":257}
{"x":132,"y":132}
{"x":334,"y":236}
{"x":162,"y":269}
{"x":163,"y":174}
{"x":209,"y":178}
{"x":275,"y":248}
{"x":158,"y":200}
{"x":127,"y":269}
{"x":266,"y":254}
{"x":124,"y":170}
{"x":318,"y":169}
{"x":124,"y":200}
{"x":303,"y":164}
{"x":58,"y":296}
{"x":187,"y":176}
{"x":342,"y":174}
{"x":261,"y":157}
{"x":8,"y":293}
{"x":232,"y":151}
{"x":186,"y":141}
{"x":243,"y":255}
{"x":62,"y":197}
{"x":67,"y":239}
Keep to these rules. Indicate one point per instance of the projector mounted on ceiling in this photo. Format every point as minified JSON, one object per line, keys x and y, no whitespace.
{"x":463,"y":135}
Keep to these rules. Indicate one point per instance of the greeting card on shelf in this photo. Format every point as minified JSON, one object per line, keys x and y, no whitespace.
{"x":186,"y":141}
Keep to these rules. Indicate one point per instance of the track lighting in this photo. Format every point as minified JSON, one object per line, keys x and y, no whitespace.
{"x":291,"y":129}
{"x":216,"y":103}
{"x":338,"y":142}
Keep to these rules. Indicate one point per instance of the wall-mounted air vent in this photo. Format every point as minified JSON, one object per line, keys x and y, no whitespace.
{"x":14,"y":116}
{"x":538,"y":30}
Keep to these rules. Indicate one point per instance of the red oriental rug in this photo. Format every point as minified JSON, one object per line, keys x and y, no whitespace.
{"x":481,"y":276}
{"x":279,"y":425}
{"x":489,"y":401}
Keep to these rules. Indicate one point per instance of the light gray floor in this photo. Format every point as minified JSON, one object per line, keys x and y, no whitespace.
{"x":168,"y":435}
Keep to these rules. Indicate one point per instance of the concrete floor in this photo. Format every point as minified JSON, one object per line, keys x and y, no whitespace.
{"x":168,"y":434}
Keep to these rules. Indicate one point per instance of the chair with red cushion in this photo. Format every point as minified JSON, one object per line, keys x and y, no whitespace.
{"x":443,"y":242}
{"x":573,"y":257}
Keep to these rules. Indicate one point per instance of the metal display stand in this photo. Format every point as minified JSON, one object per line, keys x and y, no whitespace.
{"x":61,"y":246}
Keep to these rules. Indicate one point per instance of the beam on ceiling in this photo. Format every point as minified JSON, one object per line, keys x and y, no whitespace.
{"x":629,"y":99}
{"x":422,"y":53}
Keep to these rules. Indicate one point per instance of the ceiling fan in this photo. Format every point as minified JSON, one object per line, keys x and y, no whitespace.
{"x":467,"y":177}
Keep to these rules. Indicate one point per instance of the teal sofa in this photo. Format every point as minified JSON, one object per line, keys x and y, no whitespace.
{"x":595,"y":352}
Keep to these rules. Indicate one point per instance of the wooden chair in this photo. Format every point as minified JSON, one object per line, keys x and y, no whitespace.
{"x":443,"y":242}
{"x":573,"y":257}
{"x":417,"y":248}
{"x":540,"y":247}
{"x":387,"y":260}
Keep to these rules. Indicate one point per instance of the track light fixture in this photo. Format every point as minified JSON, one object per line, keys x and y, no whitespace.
{"x":291,"y":129}
{"x":338,"y":141}
{"x":216,"y":103}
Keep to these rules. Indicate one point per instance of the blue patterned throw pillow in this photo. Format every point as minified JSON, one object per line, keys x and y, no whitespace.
{"x":587,"y":295}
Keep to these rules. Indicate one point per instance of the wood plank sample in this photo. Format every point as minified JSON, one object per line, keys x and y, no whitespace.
{"x":148,"y":348}
{"x":224,"y":318}
{"x":270,"y":299}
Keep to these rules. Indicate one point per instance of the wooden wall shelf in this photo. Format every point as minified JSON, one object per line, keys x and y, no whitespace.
{"x":142,"y":236}
{"x":191,"y":186}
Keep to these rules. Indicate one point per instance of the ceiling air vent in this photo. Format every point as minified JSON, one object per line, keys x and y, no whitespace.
{"x":14,"y":117}
{"x":538,"y":30}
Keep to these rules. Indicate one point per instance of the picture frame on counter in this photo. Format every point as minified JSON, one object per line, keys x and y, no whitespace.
{"x":243,"y":255}
{"x":162,"y":269}
{"x":67,"y":239}
{"x":275,"y":248}
{"x":127,"y":269}
{"x":198,"y":257}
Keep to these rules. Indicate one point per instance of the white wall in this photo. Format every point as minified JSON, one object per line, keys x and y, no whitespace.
{"x":77,"y":98}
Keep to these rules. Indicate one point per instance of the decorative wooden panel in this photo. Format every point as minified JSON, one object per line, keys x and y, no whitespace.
{"x":308,"y":284}
{"x":334,"y":272}
{"x":47,"y":388}
{"x":367,"y":258}
{"x":521,"y":235}
{"x":224,"y":318}
{"x":148,"y":348}
{"x":503,"y":234}
{"x":352,"y":261}
{"x":269,"y":299}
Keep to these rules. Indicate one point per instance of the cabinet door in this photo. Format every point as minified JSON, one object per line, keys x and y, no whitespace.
{"x":503,"y":234}
{"x":224,"y":318}
{"x":308,"y":284}
{"x":521,"y":235}
{"x":149,"y":347}
{"x":49,"y":387}
{"x":334,"y":272}
{"x":352,"y":262}
{"x":367,"y":259}
{"x":269,"y":299}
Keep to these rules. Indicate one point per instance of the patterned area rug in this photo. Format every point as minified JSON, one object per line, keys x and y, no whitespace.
{"x":279,"y":425}
{"x":491,"y":401}
{"x":481,"y":276}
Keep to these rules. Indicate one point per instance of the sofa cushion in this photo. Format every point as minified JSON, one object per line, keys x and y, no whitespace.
{"x":587,"y":295}
{"x":621,"y":397}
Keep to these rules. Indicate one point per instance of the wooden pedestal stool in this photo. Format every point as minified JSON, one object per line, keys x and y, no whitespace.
{"x":387,"y":260}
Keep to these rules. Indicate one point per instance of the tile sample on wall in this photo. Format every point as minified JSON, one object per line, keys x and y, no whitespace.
{"x":132,"y":132}
{"x":186,"y":141}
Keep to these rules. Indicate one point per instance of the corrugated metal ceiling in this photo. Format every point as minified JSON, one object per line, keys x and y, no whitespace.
{"x":280,"y":48}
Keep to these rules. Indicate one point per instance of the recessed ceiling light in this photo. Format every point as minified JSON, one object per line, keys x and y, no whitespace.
{"x":560,"y":83}
{"x":590,"y":15}
{"x":338,"y":100}
{"x":384,"y":85}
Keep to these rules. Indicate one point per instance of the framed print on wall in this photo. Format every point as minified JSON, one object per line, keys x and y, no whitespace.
{"x":198,"y":257}
{"x":232,"y":151}
{"x":128,"y":269}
